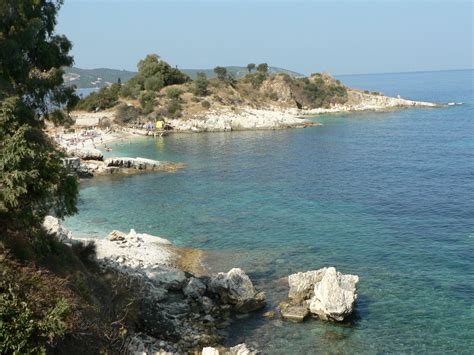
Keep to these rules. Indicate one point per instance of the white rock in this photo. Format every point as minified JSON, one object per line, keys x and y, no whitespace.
{"x":334,"y":295}
{"x":87,"y":153}
{"x":302,"y":284}
{"x":241,"y":349}
{"x":210,"y":351}
{"x":51,"y":225}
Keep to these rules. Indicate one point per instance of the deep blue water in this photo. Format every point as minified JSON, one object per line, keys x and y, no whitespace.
{"x":387,"y":196}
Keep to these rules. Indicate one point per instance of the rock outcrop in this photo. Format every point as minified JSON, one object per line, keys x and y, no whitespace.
{"x":134,"y":163}
{"x":236,"y":288}
{"x":88,"y":165}
{"x":180,"y":312}
{"x":86,"y":153}
{"x":244,"y":119}
{"x":325,"y":293}
{"x":51,"y":225}
{"x":334,"y":296}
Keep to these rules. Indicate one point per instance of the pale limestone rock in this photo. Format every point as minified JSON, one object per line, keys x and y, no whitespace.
{"x":241,"y":349}
{"x":86,"y":153}
{"x":334,"y":296}
{"x":302,"y":284}
{"x":116,"y":235}
{"x":210,"y":351}
{"x":51,"y":225}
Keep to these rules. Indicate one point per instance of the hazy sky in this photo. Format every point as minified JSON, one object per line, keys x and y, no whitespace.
{"x":342,"y":37}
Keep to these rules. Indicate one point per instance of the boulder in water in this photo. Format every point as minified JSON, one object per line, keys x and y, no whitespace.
{"x":236,"y":288}
{"x":334,"y":296}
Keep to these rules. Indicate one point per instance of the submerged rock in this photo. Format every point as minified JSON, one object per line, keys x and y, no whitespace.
{"x":293,"y":313}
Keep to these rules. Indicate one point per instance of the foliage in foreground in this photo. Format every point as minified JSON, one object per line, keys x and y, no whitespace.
{"x":35,"y":309}
{"x":33,"y":181}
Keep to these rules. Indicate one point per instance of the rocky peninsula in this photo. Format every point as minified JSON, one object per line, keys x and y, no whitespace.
{"x":162,"y":97}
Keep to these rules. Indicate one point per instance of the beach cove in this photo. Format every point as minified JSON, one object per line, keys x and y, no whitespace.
{"x":356,"y":193}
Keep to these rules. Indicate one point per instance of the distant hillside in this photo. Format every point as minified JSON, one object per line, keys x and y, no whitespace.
{"x":98,"y":78}
{"x":95,"y":78}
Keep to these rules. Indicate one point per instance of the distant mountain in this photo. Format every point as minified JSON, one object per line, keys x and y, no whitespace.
{"x":98,"y":78}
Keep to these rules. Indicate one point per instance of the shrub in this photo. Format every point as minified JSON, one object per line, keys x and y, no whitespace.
{"x":174,"y":109}
{"x":33,"y":309}
{"x":206,"y":104}
{"x":256,"y":79}
{"x":147,"y":101}
{"x":366,"y":92}
{"x":126,"y":114}
{"x":106,"y":98}
{"x":104,"y":122}
{"x":155,"y":83}
{"x":200,"y":85}
{"x":174,"y":93}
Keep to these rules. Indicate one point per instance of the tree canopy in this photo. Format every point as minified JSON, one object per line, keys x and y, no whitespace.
{"x":33,"y":181}
{"x":221,"y":72}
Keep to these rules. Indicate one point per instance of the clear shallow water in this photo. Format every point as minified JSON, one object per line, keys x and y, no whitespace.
{"x":387,"y":196}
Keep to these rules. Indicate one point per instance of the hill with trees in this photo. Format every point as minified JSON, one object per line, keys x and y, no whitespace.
{"x":101,"y":77}
{"x":159,"y":90}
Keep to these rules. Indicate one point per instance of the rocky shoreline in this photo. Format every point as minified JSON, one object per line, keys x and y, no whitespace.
{"x":185,"y":309}
{"x":279,"y":117}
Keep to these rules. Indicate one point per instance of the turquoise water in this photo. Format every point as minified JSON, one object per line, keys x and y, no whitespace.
{"x":387,"y":196}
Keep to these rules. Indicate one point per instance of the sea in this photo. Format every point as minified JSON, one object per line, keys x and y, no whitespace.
{"x":388,"y":196}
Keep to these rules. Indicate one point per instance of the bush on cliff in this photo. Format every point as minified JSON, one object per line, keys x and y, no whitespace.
{"x":105,"y":98}
{"x":126,"y":114}
{"x":200,"y":85}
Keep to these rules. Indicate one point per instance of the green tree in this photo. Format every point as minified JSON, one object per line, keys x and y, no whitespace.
{"x":33,"y":181}
{"x":200,"y":84}
{"x":250,"y":67}
{"x":221,"y":72}
{"x":262,"y":68}
{"x":154,"y":83}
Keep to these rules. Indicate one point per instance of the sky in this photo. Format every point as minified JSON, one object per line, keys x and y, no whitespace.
{"x":340,"y":37}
